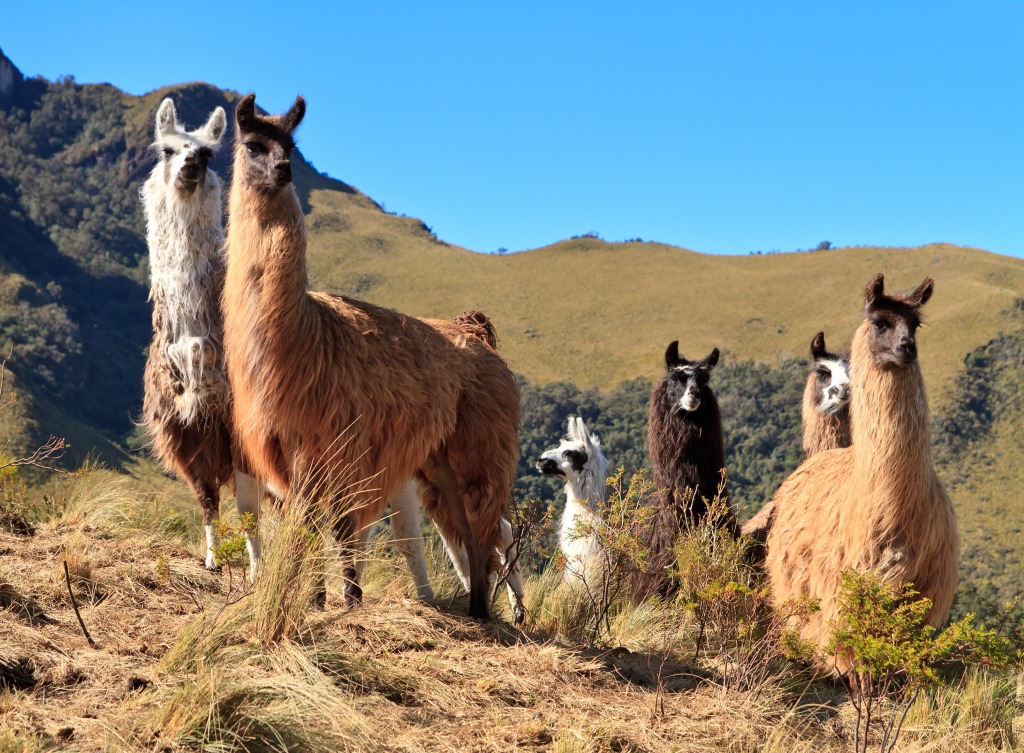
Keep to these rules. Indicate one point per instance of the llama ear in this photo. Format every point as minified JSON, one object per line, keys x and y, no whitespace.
{"x":214,"y":127}
{"x":570,"y":429}
{"x":876,"y":289}
{"x":582,"y":435}
{"x":166,"y":118}
{"x":245,"y":113}
{"x":672,"y":354}
{"x":924,"y":291}
{"x":712,"y":360}
{"x":818,"y":347}
{"x":295,"y":115}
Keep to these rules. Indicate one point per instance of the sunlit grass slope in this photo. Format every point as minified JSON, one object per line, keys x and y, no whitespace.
{"x":596,"y":313}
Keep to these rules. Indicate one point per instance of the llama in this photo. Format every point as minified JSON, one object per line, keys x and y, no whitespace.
{"x":684,"y":438}
{"x":405,"y":515}
{"x":878,"y":504}
{"x":186,"y":409}
{"x":826,"y":414}
{"x":825,"y":417}
{"x":579,"y":460}
{"x":338,"y":398}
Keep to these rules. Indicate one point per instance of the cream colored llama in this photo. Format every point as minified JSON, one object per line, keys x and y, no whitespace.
{"x":825,"y":416}
{"x":187,"y":407}
{"x":876,"y":506}
{"x":339,"y":397}
{"x":579,"y":460}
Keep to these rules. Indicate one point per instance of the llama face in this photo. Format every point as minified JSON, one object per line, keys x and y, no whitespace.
{"x":687,"y":381}
{"x":185,"y":154}
{"x":264,"y":147}
{"x":578,"y":454}
{"x":892,"y":322}
{"x":831,"y":374}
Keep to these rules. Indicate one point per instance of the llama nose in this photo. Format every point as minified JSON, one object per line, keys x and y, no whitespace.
{"x":839,"y":391}
{"x":547,"y":465}
{"x":283,"y":170}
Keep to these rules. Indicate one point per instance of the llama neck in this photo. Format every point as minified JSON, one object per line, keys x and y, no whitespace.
{"x":587,"y":490}
{"x":267,"y":244}
{"x":891,"y":439}
{"x":186,"y":239}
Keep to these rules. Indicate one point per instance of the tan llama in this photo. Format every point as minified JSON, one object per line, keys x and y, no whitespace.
{"x":876,"y":506}
{"x":337,"y":397}
{"x":825,"y":416}
{"x":187,"y":406}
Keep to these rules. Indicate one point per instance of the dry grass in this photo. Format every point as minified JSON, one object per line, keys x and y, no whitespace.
{"x":182,"y":663}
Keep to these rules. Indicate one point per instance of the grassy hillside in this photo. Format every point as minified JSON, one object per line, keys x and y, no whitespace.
{"x":595,"y":313}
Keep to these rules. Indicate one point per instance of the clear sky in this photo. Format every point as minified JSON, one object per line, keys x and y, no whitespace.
{"x":724,"y":127}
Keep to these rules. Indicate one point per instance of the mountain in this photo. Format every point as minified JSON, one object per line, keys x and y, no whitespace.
{"x":74,"y":282}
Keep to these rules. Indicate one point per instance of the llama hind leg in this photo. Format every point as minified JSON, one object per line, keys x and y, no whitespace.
{"x":247,"y":498}
{"x":456,"y":552}
{"x":405,"y":525}
{"x":508,"y":555}
{"x":440,"y":474}
{"x":353,"y":541}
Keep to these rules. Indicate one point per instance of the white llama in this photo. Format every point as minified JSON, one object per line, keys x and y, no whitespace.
{"x":187,"y":406}
{"x":579,"y":460}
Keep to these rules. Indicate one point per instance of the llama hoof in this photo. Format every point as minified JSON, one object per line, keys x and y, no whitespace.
{"x":320,"y":599}
{"x":480,"y":615}
{"x":212,"y":567}
{"x":353,"y":595}
{"x":518,"y":614}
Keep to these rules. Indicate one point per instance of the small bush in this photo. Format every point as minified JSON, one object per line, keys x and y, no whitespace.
{"x":894,"y":655}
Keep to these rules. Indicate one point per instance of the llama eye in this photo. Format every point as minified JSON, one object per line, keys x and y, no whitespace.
{"x":824,"y":373}
{"x":576,"y":458}
{"x":881,"y":326}
{"x":254,"y":149}
{"x":168,"y":152}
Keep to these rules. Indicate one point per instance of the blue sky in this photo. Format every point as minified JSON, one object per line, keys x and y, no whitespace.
{"x":724,"y":127}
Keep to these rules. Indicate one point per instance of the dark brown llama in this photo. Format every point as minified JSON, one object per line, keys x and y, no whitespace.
{"x":684,"y":438}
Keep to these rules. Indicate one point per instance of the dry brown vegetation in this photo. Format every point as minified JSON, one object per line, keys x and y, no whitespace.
{"x":188,"y":660}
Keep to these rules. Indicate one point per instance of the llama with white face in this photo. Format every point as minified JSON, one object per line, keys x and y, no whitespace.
{"x":826,"y":412}
{"x":825,"y":417}
{"x":187,"y":405}
{"x":579,"y":460}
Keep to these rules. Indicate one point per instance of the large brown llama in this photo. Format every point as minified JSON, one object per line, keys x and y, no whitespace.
{"x":687,"y":451}
{"x":825,"y":417}
{"x":337,"y":397}
{"x":876,"y":506}
{"x":187,"y":406}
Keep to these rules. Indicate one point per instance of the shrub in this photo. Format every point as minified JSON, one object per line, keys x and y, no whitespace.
{"x":894,"y":655}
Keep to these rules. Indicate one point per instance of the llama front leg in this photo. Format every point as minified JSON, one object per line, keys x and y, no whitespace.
{"x":405,"y":525}
{"x":209,"y":501}
{"x":247,"y":498}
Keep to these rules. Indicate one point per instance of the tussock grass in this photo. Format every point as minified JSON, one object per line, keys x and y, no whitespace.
{"x":185,"y":662}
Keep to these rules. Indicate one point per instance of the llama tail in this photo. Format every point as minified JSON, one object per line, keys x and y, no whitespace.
{"x":477,"y":324}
